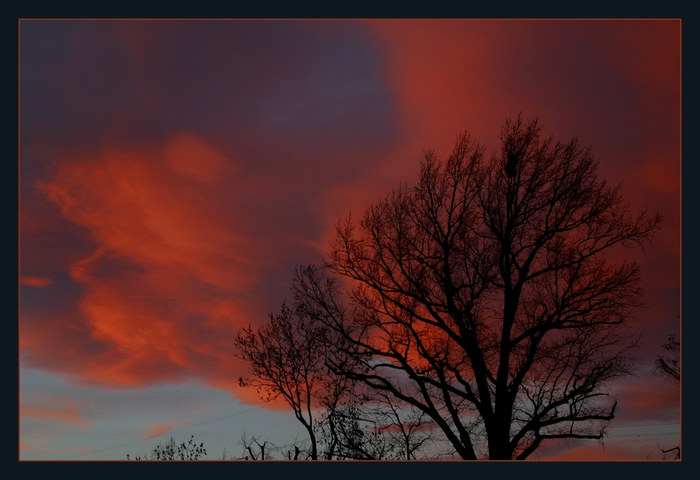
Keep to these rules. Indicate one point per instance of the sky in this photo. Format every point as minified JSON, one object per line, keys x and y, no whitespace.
{"x":174,"y":172}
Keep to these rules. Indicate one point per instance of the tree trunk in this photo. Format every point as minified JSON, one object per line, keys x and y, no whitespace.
{"x":499,"y":443}
{"x":498,"y":430}
{"x":314,"y":448}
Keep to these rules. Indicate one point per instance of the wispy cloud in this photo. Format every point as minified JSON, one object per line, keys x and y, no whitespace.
{"x":153,"y":431}
{"x":66,"y":415}
{"x":38,"y":282}
{"x":163,"y":288}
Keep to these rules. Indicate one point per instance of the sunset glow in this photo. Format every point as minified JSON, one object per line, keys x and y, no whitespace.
{"x":173,"y":174}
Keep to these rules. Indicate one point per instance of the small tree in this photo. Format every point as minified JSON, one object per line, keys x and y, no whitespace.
{"x":169,"y":451}
{"x":254,"y":448}
{"x":670,"y":364}
{"x":286,"y":359}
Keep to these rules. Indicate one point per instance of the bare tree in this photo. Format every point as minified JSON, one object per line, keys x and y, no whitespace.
{"x":254,"y":448}
{"x":408,"y":427}
{"x":286,"y":358}
{"x":168,"y":451}
{"x":371,"y":427}
{"x":670,"y":364}
{"x":353,"y":430}
{"x":293,"y":452}
{"x":377,"y":427}
{"x":487,"y":295}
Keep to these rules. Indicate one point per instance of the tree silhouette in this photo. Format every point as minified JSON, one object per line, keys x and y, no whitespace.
{"x":168,"y":451}
{"x":490,"y":295}
{"x":370,"y":426}
{"x":286,"y":357}
{"x":254,"y":448}
{"x":670,"y":364}
{"x":409,"y":428}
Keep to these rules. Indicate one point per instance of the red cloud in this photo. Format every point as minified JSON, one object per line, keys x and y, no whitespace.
{"x":38,"y":282}
{"x":169,"y":281}
{"x":621,"y":450}
{"x":661,"y":174}
{"x":188,"y":155}
{"x":657,"y":394}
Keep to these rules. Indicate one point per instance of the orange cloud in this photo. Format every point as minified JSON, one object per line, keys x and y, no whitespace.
{"x":137,"y":207}
{"x":53,"y":414}
{"x":153,"y":431}
{"x":38,"y":282}
{"x":166,"y":287}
